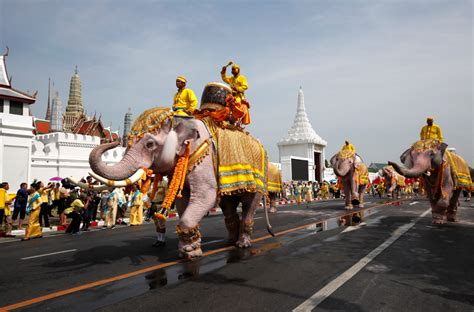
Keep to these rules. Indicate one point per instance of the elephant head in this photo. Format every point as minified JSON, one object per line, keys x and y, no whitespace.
{"x":421,"y":157}
{"x":343,"y":164}
{"x":157,"y":140}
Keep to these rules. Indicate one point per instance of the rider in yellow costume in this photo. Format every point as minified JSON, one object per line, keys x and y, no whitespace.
{"x":431,"y":131}
{"x":348,"y":147}
{"x":185,"y":101}
{"x":238,"y":84}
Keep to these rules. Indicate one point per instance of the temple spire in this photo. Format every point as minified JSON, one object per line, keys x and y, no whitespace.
{"x":48,"y":109}
{"x":75,"y":108}
{"x":302,"y":131}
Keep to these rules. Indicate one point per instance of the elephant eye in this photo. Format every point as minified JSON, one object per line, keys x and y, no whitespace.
{"x":150,"y":145}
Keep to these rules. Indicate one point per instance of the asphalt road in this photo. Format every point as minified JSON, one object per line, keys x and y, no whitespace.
{"x":395,"y":261}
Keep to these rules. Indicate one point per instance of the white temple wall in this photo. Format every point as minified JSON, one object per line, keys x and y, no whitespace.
{"x":67,"y":154}
{"x":16,"y":132}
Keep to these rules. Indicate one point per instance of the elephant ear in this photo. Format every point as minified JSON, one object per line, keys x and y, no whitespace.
{"x":406,"y":159}
{"x":187,"y":133}
{"x":333,"y":160}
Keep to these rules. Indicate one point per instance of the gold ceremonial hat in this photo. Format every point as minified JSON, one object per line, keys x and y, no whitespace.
{"x":182,"y":78}
{"x":235,"y":66}
{"x":430,"y":118}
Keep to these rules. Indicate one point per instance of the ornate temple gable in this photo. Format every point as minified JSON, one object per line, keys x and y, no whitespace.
{"x":6,"y":90}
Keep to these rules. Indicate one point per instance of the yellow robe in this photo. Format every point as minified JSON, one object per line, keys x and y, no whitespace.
{"x":238,"y":85}
{"x":34,"y":229}
{"x":185,"y":102}
{"x":348,"y":147}
{"x":136,"y":211}
{"x":431,"y":132}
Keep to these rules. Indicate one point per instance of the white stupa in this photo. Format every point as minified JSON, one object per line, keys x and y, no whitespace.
{"x":302,"y":149}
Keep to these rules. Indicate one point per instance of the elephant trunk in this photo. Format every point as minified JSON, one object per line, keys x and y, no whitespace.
{"x":341,"y":172}
{"x":129,"y":164}
{"x":414,"y":172}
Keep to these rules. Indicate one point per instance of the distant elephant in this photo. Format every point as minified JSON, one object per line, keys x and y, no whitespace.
{"x":393,"y":181}
{"x":431,"y":160}
{"x":159,"y":139}
{"x":354,"y":174}
{"x":274,"y":186}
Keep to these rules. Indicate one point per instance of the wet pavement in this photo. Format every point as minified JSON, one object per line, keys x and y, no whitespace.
{"x":312,"y":248}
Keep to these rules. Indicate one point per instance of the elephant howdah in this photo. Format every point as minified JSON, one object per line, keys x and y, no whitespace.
{"x":221,"y":161}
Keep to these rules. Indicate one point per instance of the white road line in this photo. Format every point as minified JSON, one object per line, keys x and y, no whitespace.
{"x":330,"y":288}
{"x":256,"y":218}
{"x":49,"y":254}
{"x":413,"y":203}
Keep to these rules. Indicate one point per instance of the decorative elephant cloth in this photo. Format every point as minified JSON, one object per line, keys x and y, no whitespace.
{"x":274,"y":179}
{"x":241,"y":160}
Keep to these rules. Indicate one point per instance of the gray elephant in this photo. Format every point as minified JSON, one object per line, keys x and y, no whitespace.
{"x":444,"y":174}
{"x":158,"y":139}
{"x":349,"y":167}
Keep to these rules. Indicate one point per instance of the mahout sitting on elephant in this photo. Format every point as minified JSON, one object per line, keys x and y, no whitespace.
{"x":185,"y":149}
{"x":444,"y":174}
{"x":354,"y":174}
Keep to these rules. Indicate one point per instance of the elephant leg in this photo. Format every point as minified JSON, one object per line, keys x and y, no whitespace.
{"x":229,"y":205}
{"x":361,"y":196}
{"x":453,"y":207}
{"x":250,"y":203}
{"x":202,"y":198}
{"x":272,"y":197}
{"x":347,"y":193}
{"x":438,"y":211}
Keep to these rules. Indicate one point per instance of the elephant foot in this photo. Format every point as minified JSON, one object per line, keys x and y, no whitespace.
{"x":437,"y":221}
{"x":245,"y":235}
{"x":451,"y":218}
{"x":189,"y":242}
{"x":361,"y":205}
{"x":349,"y":207}
{"x":244,"y":241}
{"x":272,"y":210}
{"x":232,"y":224}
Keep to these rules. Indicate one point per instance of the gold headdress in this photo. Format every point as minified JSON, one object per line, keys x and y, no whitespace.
{"x":149,"y":121}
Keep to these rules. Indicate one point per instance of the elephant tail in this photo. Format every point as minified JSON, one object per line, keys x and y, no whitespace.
{"x":267,"y":219}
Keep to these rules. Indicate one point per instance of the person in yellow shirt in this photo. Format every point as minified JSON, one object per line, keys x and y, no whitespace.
{"x":74,"y":212}
{"x":33,"y":209}
{"x":431,"y":131}
{"x":185,"y":101}
{"x":238,"y":84}
{"x":348,"y":146}
{"x":136,"y":207}
{"x":5,"y":214}
{"x":44,"y":214}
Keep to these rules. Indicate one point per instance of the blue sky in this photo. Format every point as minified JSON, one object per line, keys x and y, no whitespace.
{"x":371,"y":71}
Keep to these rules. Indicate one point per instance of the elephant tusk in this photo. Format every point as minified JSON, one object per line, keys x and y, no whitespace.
{"x":87,"y":187}
{"x":121,"y":183}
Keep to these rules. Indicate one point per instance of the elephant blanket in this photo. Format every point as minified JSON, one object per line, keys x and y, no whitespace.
{"x":274,"y":179}
{"x":460,"y":171}
{"x":241,"y":160}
